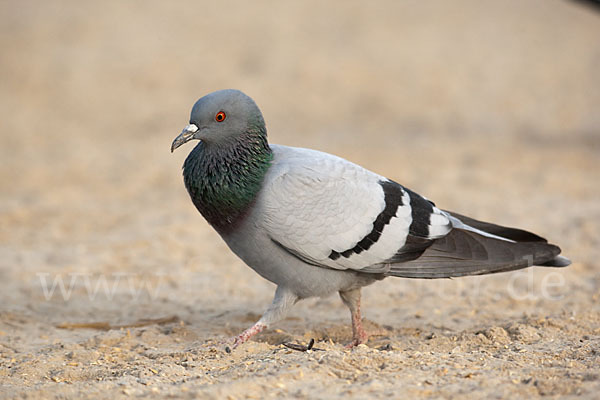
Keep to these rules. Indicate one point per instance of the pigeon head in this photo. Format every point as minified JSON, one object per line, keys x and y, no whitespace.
{"x":225,"y":170}
{"x":221,"y":118}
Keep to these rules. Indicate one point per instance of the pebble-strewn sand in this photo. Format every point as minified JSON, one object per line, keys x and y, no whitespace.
{"x":111,"y":284}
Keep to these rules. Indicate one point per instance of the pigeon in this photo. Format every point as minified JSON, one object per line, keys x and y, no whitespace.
{"x":315,"y":224}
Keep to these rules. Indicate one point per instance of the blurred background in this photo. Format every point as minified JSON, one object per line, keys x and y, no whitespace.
{"x":489,"y":108}
{"x":486,"y":107}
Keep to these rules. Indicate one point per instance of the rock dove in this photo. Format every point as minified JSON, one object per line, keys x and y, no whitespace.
{"x":315,"y":224}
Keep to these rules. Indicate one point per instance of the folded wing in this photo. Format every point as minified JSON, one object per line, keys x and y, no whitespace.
{"x":335,"y":214}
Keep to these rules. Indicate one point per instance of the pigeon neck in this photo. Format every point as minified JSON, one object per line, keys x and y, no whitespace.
{"x":224,"y":179}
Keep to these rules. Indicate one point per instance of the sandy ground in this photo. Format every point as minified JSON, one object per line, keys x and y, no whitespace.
{"x":111,"y":284}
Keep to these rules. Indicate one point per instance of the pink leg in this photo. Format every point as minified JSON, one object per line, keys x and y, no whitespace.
{"x":282,"y":302}
{"x":351,"y":299}
{"x":248,"y":333}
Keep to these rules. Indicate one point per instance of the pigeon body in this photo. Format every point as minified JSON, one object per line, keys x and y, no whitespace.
{"x":316,"y":224}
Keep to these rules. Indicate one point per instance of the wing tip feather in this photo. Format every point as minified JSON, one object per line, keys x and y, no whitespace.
{"x":558,"y":262}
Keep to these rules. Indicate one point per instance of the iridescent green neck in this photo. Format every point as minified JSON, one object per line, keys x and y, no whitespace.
{"x":223,"y":179}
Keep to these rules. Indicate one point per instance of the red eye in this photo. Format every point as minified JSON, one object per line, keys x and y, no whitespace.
{"x":220,"y":117}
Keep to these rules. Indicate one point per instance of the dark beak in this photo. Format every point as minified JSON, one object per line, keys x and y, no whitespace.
{"x":185,"y":136}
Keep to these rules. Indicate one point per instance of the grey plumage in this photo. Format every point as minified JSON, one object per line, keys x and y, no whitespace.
{"x":315,"y":224}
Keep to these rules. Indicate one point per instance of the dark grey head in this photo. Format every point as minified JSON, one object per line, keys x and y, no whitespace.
{"x":221,"y":117}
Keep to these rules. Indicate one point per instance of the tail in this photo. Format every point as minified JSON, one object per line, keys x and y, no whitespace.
{"x":477,"y":248}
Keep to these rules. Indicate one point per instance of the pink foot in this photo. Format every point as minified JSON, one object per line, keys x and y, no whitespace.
{"x":359,"y":336}
{"x":354,"y":343}
{"x":247,"y":334}
{"x":352,"y":299}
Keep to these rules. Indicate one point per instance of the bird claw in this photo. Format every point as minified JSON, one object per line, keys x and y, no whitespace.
{"x":238,"y":340}
{"x":354,"y":343}
{"x":244,"y":336}
{"x":361,"y":337}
